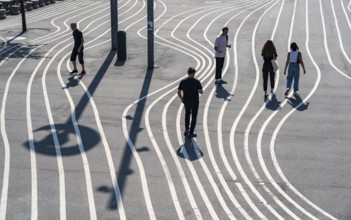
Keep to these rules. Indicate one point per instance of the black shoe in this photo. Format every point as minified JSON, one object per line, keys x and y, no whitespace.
{"x":286,"y":92}
{"x":192,"y":135}
{"x":73,"y":71}
{"x":82,"y":73}
{"x":186,"y":132}
{"x":265,"y":97}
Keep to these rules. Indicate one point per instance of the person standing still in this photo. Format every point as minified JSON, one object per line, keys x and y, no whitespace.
{"x":220,"y":47}
{"x":188,"y":92}
{"x":293,"y":60}
{"x":77,"y":49}
{"x":268,"y":53}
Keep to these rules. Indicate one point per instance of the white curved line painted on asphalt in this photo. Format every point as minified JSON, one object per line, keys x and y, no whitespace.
{"x":162,"y":159}
{"x":6,"y":166}
{"x":220,"y":139}
{"x":281,"y":123}
{"x":232,"y":134}
{"x":193,"y":171}
{"x":205,"y":168}
{"x":252,"y":121}
{"x":56,"y":33}
{"x":139,"y":163}
{"x":57,"y":145}
{"x":347,"y":17}
{"x":34,"y":178}
{"x":178,"y":165}
{"x":259,"y":141}
{"x":340,"y":40}
{"x":34,"y":211}
{"x":38,"y":15}
{"x":160,"y":155}
{"x":325,"y":40}
{"x":6,"y":175}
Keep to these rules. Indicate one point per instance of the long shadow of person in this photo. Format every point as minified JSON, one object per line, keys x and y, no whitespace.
{"x":189,"y":150}
{"x":273,"y":104}
{"x":297,"y":103}
{"x":222,"y":93}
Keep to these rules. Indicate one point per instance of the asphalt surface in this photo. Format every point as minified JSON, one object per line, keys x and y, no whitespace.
{"x":110,"y":145}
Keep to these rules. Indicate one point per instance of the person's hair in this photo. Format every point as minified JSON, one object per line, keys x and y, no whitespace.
{"x":293,"y":46}
{"x":268,"y":49}
{"x":225,"y":29}
{"x":191,"y":70}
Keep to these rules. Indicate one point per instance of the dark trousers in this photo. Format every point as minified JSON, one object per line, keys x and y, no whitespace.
{"x":191,"y":110}
{"x":267,"y":70}
{"x":219,"y":67}
{"x":80,"y":55}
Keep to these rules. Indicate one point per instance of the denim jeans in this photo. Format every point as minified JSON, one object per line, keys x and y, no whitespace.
{"x":293,"y":75}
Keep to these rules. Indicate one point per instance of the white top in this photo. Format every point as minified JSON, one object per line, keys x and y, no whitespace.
{"x":221,"y":44}
{"x":293,"y":56}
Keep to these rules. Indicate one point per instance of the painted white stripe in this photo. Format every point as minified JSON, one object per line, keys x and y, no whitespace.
{"x":193,"y":171}
{"x":252,"y":121}
{"x":275,"y":133}
{"x":346,"y":16}
{"x":6,"y":175}
{"x":339,"y":37}
{"x":61,"y":172}
{"x":143,"y":179}
{"x":200,"y":159}
{"x":220,"y":139}
{"x":232,"y":133}
{"x":34,"y":177}
{"x":326,"y":45}
{"x":162,"y":159}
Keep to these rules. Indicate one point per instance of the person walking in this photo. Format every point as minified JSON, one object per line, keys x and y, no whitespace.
{"x":293,"y":60}
{"x":188,"y":92}
{"x":269,"y":53}
{"x":77,"y":49}
{"x":220,"y":47}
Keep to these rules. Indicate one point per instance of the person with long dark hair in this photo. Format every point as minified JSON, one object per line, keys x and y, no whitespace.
{"x":268,"y":53}
{"x":294,"y":59}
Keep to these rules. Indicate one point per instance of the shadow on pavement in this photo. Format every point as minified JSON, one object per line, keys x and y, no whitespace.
{"x":298,"y":103}
{"x":189,"y":151}
{"x":89,"y":136}
{"x":273,"y":104}
{"x":124,"y":167}
{"x":222,"y":93}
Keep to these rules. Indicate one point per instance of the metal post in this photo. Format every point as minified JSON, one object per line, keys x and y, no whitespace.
{"x":150,"y":33}
{"x":24,"y":25}
{"x":114,"y":24}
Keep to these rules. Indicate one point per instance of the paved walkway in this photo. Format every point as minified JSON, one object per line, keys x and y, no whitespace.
{"x":111,"y":145}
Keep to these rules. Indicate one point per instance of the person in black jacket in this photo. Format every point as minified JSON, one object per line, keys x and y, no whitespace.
{"x":188,"y":92}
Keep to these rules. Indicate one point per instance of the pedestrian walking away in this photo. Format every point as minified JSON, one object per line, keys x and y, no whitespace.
{"x":269,"y":53}
{"x":77,"y":49}
{"x":220,"y":47}
{"x":293,"y":60}
{"x":188,"y":92}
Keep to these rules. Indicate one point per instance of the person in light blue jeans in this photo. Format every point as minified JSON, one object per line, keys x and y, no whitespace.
{"x":294,"y":59}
